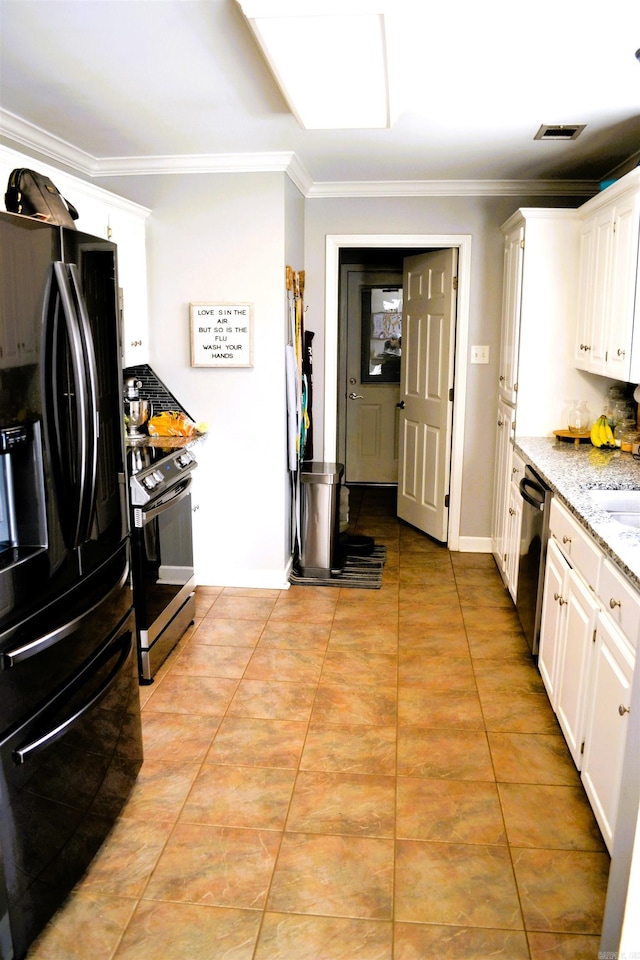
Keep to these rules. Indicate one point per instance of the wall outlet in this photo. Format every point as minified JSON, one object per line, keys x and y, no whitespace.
{"x":479,"y":354}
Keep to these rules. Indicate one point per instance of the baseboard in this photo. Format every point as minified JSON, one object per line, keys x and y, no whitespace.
{"x":474,"y":544}
{"x":255,"y":579}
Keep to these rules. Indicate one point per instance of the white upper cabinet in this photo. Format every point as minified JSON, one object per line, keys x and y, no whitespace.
{"x":608,"y":282}
{"x":110,"y":217}
{"x":537,"y":368}
{"x":511,"y":295}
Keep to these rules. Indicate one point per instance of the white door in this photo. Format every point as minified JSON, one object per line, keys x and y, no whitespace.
{"x":374,"y":316}
{"x":426,"y":390}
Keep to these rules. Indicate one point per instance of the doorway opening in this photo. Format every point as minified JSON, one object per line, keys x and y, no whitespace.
{"x":369,"y":359}
{"x":391,"y":250}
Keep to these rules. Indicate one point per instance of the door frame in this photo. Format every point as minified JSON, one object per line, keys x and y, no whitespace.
{"x":333,"y":244}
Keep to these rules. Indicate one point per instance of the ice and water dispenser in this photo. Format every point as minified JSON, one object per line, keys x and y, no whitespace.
{"x":23,"y":527}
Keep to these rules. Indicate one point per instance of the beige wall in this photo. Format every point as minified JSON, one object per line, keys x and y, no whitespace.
{"x":479,"y":217}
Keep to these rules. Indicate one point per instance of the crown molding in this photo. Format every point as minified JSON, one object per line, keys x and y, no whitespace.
{"x":455,"y":188}
{"x":277,"y":162}
{"x":15,"y":130}
{"x":19,"y":132}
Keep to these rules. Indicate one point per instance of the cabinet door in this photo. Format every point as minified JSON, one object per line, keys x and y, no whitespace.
{"x":511,"y":301}
{"x":502,"y":479}
{"x":607,"y":724}
{"x":600,"y":291}
{"x":514,"y":530}
{"x":585,"y":294}
{"x":553,"y":618}
{"x":607,"y":288}
{"x":128,"y":232}
{"x":575,"y":652}
{"x":622,"y":287}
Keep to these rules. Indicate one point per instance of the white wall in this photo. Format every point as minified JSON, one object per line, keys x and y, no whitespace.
{"x":223,"y":239}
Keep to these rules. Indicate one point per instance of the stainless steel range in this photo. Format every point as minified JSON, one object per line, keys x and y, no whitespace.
{"x":162,"y":550}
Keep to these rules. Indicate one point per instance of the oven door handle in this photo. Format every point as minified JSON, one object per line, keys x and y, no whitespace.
{"x":155,"y":507}
{"x":525,"y":486}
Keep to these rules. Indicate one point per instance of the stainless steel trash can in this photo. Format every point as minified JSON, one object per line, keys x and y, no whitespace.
{"x":320,"y":518}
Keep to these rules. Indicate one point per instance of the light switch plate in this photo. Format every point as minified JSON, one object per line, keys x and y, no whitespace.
{"x":480,"y":354}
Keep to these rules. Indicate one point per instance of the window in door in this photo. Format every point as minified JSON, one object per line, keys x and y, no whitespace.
{"x":381,"y":334}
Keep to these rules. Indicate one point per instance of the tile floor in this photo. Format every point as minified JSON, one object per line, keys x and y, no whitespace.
{"x":339,"y":774}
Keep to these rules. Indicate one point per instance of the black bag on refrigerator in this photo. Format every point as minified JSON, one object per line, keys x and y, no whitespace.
{"x":34,"y":195}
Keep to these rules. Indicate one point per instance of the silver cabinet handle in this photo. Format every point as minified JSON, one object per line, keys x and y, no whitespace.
{"x":621,"y":352}
{"x":356,"y":396}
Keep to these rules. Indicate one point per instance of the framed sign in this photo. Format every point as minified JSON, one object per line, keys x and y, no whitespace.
{"x":221,"y":334}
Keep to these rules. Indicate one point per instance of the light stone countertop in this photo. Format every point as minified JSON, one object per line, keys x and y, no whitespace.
{"x":571,"y":471}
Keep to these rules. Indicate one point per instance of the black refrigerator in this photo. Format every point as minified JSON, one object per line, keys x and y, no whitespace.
{"x":70,"y":739}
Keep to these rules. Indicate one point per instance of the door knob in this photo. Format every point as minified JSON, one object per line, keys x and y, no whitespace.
{"x":356,"y":396}
{"x":400,"y":405}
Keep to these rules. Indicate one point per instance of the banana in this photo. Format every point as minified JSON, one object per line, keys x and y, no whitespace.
{"x":608,"y":434}
{"x":597,"y":438}
{"x":601,"y":433}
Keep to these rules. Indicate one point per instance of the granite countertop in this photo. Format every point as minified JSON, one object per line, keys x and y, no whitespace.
{"x":571,"y":471}
{"x":164,"y":443}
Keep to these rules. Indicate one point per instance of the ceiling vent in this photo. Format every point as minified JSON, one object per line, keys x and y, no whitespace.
{"x":559,"y":131}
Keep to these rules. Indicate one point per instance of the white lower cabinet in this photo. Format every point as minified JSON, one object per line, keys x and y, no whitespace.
{"x":574,"y":662}
{"x":608,"y":721}
{"x":586,"y":659}
{"x":552,"y":621}
{"x":503,"y":461}
{"x":566,"y":640}
{"x":514,"y":527}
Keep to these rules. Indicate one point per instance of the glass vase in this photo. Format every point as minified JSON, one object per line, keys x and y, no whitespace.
{"x":579,"y":417}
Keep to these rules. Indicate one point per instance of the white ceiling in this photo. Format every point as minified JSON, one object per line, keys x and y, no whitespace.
{"x":119,"y":86}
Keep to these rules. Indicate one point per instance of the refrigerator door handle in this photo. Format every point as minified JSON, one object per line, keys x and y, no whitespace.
{"x":12,"y":657}
{"x":21,"y":754}
{"x":80,"y":418}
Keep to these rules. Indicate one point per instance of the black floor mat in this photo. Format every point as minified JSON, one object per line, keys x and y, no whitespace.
{"x":362,"y":572}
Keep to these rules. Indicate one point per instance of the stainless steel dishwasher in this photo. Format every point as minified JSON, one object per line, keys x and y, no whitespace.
{"x":536,"y":502}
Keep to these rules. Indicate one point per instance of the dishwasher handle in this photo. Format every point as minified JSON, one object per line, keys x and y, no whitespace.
{"x":532,"y":493}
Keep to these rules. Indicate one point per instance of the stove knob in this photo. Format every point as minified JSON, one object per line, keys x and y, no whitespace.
{"x":150,"y":481}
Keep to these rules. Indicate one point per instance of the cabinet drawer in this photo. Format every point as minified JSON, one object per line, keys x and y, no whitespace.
{"x":621,"y":601}
{"x":575,"y":543}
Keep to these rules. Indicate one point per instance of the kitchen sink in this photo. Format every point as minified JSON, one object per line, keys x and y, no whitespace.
{"x":621,"y":505}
